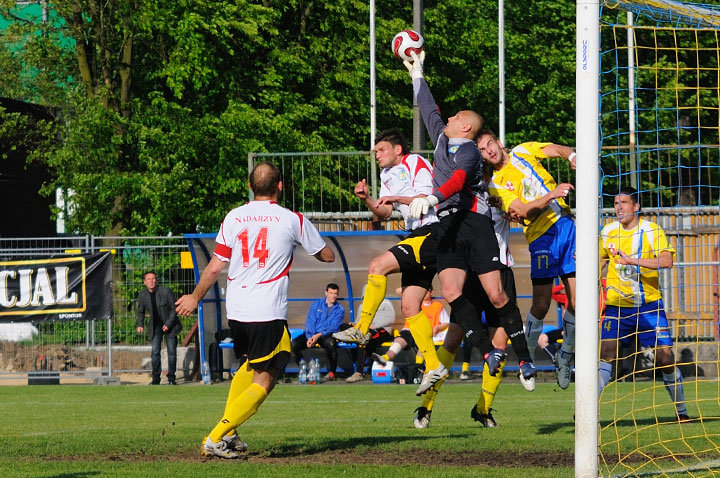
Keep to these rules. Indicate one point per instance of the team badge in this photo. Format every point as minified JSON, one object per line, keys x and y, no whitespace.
{"x":403,"y":175}
{"x":453,"y":149}
{"x":611,"y":248}
{"x":509,"y":186}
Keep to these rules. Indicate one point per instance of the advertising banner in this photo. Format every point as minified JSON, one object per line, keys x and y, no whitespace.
{"x":58,"y":288}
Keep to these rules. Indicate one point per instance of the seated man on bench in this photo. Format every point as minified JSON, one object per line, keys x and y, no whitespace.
{"x":323,"y":320}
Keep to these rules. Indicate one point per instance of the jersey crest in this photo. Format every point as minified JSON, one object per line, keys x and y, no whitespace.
{"x":509,"y":186}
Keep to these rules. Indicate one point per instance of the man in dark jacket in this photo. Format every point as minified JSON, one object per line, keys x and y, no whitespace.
{"x":157,"y":303}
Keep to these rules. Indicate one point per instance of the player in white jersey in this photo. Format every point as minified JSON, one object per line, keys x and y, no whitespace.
{"x":404,"y":177}
{"x":258,"y":241}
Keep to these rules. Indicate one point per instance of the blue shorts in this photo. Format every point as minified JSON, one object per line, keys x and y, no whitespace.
{"x":649,"y":321}
{"x":553,"y":253}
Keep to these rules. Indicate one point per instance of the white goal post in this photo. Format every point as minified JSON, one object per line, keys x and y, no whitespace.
{"x":587,"y":79}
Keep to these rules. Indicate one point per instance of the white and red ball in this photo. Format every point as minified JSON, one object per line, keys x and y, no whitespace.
{"x":406,"y":42}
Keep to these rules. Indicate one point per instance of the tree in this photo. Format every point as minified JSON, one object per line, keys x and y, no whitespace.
{"x":158,"y":104}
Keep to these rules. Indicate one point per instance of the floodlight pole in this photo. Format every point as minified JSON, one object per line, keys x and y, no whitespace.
{"x":501,"y":71}
{"x":418,"y":131}
{"x":373,"y":106}
{"x":587,"y":58}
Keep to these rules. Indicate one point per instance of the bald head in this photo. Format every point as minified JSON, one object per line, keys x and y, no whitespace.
{"x":265,"y":180}
{"x":465,"y":124}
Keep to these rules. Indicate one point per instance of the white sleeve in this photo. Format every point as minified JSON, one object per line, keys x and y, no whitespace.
{"x":310,"y":238}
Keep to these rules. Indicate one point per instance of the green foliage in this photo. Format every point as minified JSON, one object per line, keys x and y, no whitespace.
{"x":159,"y":104}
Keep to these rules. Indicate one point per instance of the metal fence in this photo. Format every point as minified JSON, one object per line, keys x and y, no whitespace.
{"x":97,"y":348}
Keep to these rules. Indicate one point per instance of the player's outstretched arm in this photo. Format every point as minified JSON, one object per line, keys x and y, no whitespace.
{"x":560,"y":151}
{"x":187,"y":304}
{"x":325,"y":255}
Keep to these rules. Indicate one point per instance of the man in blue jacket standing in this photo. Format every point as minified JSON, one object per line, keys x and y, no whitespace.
{"x":323,"y":319}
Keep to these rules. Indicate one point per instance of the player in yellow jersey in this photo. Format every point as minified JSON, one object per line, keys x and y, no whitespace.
{"x":634,"y":249}
{"x":529,"y":194}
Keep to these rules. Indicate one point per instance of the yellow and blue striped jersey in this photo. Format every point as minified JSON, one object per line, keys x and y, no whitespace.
{"x":632,"y":286}
{"x":524,"y":178}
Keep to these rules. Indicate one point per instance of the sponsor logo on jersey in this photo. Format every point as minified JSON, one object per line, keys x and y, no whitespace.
{"x":403,"y":250}
{"x":495,"y":259}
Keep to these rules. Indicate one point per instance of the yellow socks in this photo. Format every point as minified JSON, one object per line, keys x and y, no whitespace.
{"x":374,"y":295}
{"x":489,"y":388}
{"x":422,"y":333}
{"x":242,"y":408}
{"x":240,"y":382}
{"x":465,"y":367}
{"x":446,"y":358}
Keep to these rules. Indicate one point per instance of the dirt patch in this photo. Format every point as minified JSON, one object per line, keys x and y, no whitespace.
{"x":369,"y":457}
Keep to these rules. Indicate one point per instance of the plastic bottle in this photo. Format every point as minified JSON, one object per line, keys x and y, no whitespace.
{"x":303,"y":375}
{"x":313,"y":373}
{"x":205,"y":372}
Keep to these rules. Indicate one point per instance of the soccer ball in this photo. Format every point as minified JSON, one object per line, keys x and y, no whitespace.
{"x":406,"y":42}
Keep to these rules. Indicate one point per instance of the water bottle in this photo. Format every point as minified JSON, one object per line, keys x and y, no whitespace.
{"x":205,"y":372}
{"x":303,"y":375}
{"x":313,"y":373}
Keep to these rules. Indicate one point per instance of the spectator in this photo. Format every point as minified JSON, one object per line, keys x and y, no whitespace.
{"x":157,"y":303}
{"x":323,"y":319}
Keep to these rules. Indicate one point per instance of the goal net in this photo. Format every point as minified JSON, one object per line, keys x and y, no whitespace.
{"x":659,"y":125}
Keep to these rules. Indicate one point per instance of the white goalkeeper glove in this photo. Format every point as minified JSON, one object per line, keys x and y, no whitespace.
{"x":416,"y":66}
{"x":420,"y":206}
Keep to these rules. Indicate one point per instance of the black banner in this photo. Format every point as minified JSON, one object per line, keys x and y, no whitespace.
{"x":58,"y":288}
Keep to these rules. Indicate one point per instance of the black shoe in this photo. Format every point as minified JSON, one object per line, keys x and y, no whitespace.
{"x":155,"y":382}
{"x":486,"y":419}
{"x":683,"y":418}
{"x":172,"y":382}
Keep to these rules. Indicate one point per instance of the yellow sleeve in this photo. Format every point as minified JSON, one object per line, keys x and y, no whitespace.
{"x":661,"y":242}
{"x":535,"y":149}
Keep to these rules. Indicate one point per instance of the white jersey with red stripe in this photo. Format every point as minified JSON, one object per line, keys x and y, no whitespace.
{"x":258,"y":239}
{"x":410,"y":177}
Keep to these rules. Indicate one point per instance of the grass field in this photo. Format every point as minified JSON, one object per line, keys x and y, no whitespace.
{"x":328,"y":430}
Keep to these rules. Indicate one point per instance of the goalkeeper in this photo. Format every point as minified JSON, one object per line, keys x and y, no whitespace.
{"x":467,"y":242}
{"x":634,"y":249}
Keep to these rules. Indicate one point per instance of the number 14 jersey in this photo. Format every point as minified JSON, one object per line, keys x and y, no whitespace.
{"x":258,"y":239}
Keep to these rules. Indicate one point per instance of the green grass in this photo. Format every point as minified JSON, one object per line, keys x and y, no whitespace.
{"x":329,"y":430}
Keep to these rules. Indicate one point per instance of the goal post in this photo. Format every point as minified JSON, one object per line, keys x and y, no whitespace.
{"x":648,"y":116}
{"x":587,"y":147}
